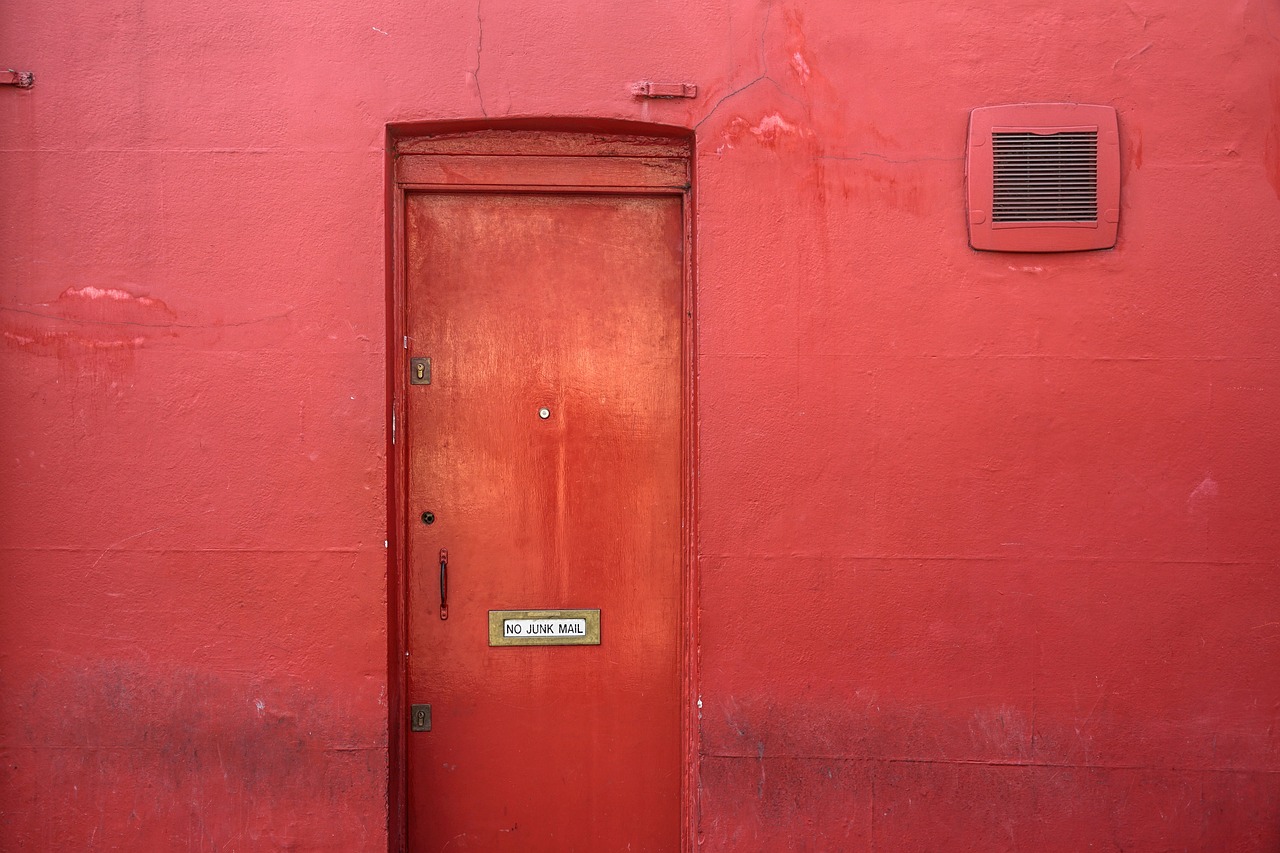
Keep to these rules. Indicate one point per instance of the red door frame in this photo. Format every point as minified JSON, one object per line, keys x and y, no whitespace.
{"x":600,"y":158}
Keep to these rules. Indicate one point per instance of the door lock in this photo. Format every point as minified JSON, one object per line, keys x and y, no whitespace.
{"x":419,"y":371}
{"x":419,"y":718}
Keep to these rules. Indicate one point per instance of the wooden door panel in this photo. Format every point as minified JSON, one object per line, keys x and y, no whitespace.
{"x":569,"y":303}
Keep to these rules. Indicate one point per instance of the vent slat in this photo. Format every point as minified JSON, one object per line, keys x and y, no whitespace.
{"x":1045,"y":177}
{"x":1047,"y":184}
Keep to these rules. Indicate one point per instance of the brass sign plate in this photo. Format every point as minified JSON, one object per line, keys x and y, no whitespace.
{"x":544,"y":627}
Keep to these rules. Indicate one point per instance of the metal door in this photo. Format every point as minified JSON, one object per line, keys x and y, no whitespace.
{"x":544,"y":470}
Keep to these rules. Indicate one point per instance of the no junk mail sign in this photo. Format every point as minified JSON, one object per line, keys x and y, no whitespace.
{"x":544,"y":627}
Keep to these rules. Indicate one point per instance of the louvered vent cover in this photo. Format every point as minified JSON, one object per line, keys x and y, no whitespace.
{"x":1043,"y":178}
{"x":1051,"y":177}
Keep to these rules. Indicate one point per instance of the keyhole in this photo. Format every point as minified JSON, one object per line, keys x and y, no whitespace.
{"x":420,"y":718}
{"x":422,"y":369}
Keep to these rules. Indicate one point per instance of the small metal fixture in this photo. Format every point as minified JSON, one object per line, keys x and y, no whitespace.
{"x":419,"y":371}
{"x":544,"y":413}
{"x":428,"y":517}
{"x":419,"y":718}
{"x":444,"y":584}
{"x":649,"y":89}
{"x":21,"y":79}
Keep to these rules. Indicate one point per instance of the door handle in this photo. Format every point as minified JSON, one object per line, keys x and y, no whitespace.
{"x":444,"y":583}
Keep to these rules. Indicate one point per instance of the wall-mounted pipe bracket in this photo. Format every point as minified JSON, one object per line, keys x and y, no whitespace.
{"x":21,"y":79}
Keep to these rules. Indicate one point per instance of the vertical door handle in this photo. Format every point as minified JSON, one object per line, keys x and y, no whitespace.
{"x":444,"y":583}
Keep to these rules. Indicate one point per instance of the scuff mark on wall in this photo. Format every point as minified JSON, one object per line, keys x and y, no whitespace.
{"x":1202,"y":496}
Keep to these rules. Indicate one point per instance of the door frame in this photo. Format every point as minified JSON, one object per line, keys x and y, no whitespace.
{"x":573,"y":157}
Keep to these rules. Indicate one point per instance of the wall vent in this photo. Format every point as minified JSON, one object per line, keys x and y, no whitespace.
{"x":1043,"y":178}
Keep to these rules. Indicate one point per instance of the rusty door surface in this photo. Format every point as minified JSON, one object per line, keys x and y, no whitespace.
{"x":546,"y":454}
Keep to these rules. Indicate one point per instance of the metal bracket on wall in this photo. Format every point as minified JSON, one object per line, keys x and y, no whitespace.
{"x":647,"y":89}
{"x":21,"y":79}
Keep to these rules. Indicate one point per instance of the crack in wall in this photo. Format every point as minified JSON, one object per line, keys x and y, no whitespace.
{"x":475,"y":72}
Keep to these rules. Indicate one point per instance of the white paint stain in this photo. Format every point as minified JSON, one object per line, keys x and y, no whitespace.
{"x":92,"y":344}
{"x":1202,"y":494}
{"x":768,"y":130}
{"x":260,"y":705}
{"x":772,"y":126}
{"x":801,"y":67}
{"x":92,"y":292}
{"x":384,"y":32}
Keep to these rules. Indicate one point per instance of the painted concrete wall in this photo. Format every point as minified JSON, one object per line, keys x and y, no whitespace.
{"x":988,"y":542}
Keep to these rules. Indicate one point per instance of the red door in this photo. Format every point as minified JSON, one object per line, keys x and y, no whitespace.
{"x":546,"y":454}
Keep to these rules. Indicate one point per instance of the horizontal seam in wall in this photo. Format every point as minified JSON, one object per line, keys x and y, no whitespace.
{"x":131,"y":748}
{"x":990,"y":763}
{"x":74,"y":549}
{"x":864,"y":356}
{"x":992,"y":558}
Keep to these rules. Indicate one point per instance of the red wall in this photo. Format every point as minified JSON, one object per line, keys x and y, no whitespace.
{"x":988,"y":541}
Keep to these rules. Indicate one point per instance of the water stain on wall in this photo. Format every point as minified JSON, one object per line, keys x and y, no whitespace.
{"x":108,"y":322}
{"x":242,"y":761}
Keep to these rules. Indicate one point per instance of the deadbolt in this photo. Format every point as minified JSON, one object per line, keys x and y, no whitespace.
{"x":420,"y":718}
{"x":428,"y":517}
